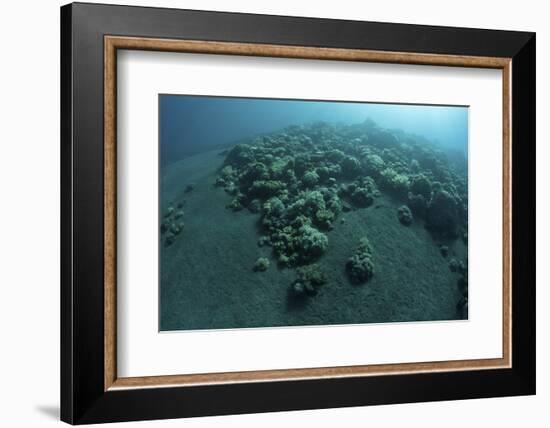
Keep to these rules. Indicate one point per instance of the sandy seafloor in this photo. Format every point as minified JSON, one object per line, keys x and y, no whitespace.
{"x":207,"y":280}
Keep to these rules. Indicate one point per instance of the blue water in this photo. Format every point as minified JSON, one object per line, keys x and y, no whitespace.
{"x":191,"y":124}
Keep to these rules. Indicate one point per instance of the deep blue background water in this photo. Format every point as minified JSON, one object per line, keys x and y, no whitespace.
{"x":191,"y":124}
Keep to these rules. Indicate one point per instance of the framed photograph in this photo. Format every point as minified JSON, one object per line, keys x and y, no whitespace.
{"x":267,"y":213}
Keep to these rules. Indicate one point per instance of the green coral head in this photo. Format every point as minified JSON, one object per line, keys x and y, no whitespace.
{"x":261,"y":265}
{"x":360,"y":266}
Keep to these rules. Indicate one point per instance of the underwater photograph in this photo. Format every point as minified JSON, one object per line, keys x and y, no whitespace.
{"x":282,"y":212}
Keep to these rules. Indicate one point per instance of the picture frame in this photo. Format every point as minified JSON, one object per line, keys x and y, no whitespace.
{"x":91,"y":390}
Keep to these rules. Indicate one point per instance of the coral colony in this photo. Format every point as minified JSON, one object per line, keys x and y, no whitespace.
{"x":299,"y":181}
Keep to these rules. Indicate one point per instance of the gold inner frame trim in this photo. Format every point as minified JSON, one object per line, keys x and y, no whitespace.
{"x":113,"y":43}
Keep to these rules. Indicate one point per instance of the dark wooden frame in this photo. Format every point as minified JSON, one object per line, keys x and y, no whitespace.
{"x":89,"y":33}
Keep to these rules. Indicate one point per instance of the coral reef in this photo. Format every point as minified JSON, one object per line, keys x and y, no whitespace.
{"x":404,"y":215}
{"x":308,"y":280}
{"x":360,"y":192}
{"x":347,"y":164}
{"x":417,"y":204}
{"x":261,"y":265}
{"x":394,"y":182}
{"x":172,"y":224}
{"x":360,"y":267}
{"x":300,"y":180}
{"x":442,"y":216}
{"x":421,"y":185}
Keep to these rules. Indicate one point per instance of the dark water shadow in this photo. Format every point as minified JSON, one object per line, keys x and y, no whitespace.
{"x":50,"y":411}
{"x":295,"y":301}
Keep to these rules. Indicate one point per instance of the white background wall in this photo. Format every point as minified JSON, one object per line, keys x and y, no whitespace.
{"x":29,"y":214}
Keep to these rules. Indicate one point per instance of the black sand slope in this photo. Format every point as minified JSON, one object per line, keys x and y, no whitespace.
{"x":207,"y":279}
